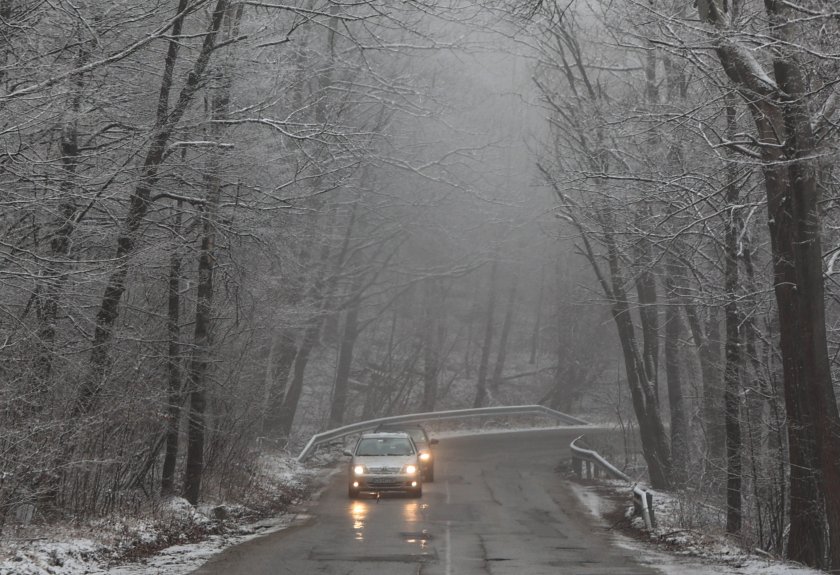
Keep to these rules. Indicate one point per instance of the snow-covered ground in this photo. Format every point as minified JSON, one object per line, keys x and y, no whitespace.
{"x":171,"y":539}
{"x":673,"y":549}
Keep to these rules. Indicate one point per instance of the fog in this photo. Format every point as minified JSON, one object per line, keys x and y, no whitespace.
{"x":230,"y":225}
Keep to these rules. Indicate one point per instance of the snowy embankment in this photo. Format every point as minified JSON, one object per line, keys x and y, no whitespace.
{"x":172,"y":537}
{"x":670,"y":547}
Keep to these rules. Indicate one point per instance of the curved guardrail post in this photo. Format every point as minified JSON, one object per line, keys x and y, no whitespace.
{"x":591,"y":457}
{"x":643,"y":502}
{"x":642,"y":498}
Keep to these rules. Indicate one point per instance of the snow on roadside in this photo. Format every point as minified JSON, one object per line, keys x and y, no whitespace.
{"x":674,"y":550}
{"x":176,"y":538}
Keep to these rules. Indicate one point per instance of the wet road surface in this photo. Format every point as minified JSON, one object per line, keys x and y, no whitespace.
{"x":497,"y":507}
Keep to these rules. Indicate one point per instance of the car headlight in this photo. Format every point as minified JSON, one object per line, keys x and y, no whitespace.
{"x":410,"y":469}
{"x":425,"y":456}
{"x":359,"y":470}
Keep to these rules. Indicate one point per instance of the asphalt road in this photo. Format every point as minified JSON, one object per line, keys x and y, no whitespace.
{"x":497,"y":507}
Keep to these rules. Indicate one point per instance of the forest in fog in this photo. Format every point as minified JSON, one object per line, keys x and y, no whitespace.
{"x":227,"y":225}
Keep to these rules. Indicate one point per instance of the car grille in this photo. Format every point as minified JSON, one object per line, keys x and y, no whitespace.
{"x":384,"y":470}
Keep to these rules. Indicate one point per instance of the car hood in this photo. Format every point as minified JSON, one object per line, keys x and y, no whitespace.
{"x":375,"y":461}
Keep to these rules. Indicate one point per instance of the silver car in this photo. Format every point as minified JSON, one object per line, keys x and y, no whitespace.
{"x":384,"y":462}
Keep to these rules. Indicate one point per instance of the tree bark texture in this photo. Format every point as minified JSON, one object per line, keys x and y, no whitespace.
{"x":811,"y":362}
{"x":788,"y":150}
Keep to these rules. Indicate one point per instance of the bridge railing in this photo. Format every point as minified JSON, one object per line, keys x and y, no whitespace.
{"x":362,"y":426}
{"x":594,"y":463}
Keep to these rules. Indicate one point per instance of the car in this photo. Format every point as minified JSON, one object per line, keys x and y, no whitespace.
{"x":423,"y":442}
{"x":384,"y":461}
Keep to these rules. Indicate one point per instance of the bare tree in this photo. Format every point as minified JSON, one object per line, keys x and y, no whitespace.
{"x":786,"y":145}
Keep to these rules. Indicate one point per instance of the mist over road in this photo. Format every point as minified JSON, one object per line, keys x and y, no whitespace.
{"x":498,"y":506}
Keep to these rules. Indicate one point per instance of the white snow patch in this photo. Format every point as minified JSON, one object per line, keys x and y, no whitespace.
{"x":181,"y":559}
{"x":52,"y":557}
{"x":59,"y":550}
{"x":694,"y":552}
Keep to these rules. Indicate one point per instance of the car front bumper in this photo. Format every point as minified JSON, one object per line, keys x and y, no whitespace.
{"x":385,"y":482}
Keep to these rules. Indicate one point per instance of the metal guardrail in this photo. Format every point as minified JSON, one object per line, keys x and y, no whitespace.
{"x":339,"y":432}
{"x":642,"y":497}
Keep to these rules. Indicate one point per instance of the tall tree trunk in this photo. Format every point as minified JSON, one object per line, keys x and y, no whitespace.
{"x":655,"y":447}
{"x":655,"y":444}
{"x":165,"y":123}
{"x":473,"y":312}
{"x":788,"y":149}
{"x":175,"y":395}
{"x":202,"y":339}
{"x":806,"y":541}
{"x":345,"y":362}
{"x":373,"y":396}
{"x":648,"y":314}
{"x":281,"y":366}
{"x":291,"y":400}
{"x":54,"y":277}
{"x":680,"y":435}
{"x":431,"y":345}
{"x":706,"y":338}
{"x":733,"y":366}
{"x":481,"y":386}
{"x":808,"y":327}
{"x":535,"y":336}
{"x":321,"y":293}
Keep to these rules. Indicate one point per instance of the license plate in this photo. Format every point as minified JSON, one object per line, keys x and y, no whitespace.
{"x":383,"y":481}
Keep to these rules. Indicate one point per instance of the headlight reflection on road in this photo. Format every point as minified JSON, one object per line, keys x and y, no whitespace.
{"x":359,"y":512}
{"x":411,"y":512}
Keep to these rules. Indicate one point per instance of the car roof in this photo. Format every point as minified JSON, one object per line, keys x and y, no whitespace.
{"x":400,"y":426}
{"x":384,"y":434}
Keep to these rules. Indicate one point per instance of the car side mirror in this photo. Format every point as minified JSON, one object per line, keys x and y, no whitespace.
{"x":348,"y":453}
{"x":434,"y":442}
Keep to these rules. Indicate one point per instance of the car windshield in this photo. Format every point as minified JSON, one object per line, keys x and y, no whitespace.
{"x":416,"y":434}
{"x":385,"y":446}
